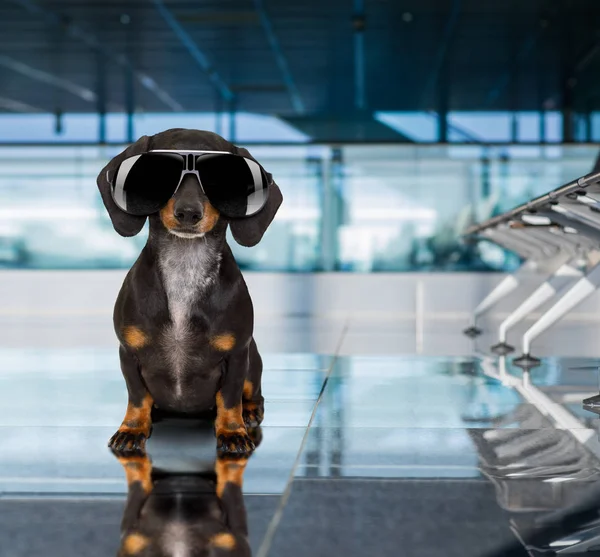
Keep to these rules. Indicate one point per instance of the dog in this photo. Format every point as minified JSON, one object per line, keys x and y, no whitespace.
{"x":184,"y":317}
{"x":184,"y":514}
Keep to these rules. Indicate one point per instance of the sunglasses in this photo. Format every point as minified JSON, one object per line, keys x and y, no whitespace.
{"x":235,"y":185}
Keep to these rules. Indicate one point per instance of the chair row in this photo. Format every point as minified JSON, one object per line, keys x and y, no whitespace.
{"x":557,"y":236}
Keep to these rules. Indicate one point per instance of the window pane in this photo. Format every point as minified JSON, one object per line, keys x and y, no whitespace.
{"x":390,"y":207}
{"x":485,"y":126}
{"x":40,"y":128}
{"x":528,"y":126}
{"x":417,"y":126}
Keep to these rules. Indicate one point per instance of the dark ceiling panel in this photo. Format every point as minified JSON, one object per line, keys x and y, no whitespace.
{"x":499,"y":56}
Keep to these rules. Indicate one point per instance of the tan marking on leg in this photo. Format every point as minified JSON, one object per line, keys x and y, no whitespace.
{"x":230,"y":471}
{"x":223,"y":540}
{"x":209,"y":219}
{"x":248,"y":389}
{"x":223,"y":343}
{"x":135,"y":337}
{"x":167,"y":215}
{"x":138,"y":418}
{"x":135,"y":543}
{"x":138,"y":469}
{"x":229,"y":420}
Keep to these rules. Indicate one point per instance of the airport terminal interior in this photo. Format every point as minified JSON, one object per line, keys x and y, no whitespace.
{"x":425,"y":299}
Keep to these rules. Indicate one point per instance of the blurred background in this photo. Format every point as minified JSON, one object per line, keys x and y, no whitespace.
{"x":389,"y":125}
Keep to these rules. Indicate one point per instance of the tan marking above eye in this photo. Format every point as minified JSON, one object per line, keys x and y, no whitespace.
{"x":135,"y":337}
{"x":223,"y":540}
{"x":224,"y":342}
{"x":135,"y":543}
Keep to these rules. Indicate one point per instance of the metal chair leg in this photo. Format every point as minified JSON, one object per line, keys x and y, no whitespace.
{"x":581,"y":290}
{"x":503,"y":289}
{"x":559,"y":280}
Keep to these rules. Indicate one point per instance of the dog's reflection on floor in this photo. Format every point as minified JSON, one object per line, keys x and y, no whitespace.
{"x":194,"y":513}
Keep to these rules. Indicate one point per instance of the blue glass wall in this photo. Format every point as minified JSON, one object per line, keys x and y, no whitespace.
{"x":361,"y":208}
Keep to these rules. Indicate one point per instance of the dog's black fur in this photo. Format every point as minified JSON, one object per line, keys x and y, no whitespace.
{"x":184,"y":318}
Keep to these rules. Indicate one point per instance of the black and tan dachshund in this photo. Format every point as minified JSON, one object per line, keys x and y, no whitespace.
{"x":184,"y":317}
{"x":199,"y":514}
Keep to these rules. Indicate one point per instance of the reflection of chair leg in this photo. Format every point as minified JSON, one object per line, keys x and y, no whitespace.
{"x":582,"y":289}
{"x":506,"y":286}
{"x":563,"y":276}
{"x":592,"y":403}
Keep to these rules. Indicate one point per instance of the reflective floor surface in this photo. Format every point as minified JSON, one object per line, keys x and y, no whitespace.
{"x":360,"y":455}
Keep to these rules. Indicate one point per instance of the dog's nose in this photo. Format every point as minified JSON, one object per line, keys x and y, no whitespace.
{"x":187,"y":213}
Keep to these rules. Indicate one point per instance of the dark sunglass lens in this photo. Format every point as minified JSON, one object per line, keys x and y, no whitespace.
{"x":145,"y":183}
{"x":235,"y":186}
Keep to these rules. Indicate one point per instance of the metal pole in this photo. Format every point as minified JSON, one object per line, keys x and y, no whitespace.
{"x":280,"y":58}
{"x":588,"y":125}
{"x":101,"y":96}
{"x":232,"y":120}
{"x":359,"y":22}
{"x":218,"y":114}
{"x":130,"y":104}
{"x":443,"y":91}
{"x":542,"y":126}
{"x":329,"y":225}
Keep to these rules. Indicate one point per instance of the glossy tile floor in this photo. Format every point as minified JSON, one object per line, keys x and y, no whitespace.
{"x":379,"y":455}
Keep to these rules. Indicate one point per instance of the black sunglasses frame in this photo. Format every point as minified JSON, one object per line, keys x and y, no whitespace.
{"x":189,"y":166}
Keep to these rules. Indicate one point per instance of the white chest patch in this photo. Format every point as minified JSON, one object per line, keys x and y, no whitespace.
{"x":189,"y":268}
{"x":175,"y":542}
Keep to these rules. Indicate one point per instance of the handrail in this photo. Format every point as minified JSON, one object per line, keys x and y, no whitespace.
{"x":536,"y":203}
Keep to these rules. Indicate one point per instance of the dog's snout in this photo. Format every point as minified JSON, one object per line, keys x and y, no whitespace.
{"x":188,"y":213}
{"x":189,"y":208}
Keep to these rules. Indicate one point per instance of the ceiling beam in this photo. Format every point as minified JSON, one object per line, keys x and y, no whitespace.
{"x":49,"y":79}
{"x":525,"y":50}
{"x":359,"y":23}
{"x":280,"y":59}
{"x":505,"y":80}
{"x":87,"y":38}
{"x":573,"y":77}
{"x":200,"y":58}
{"x":18,"y":106}
{"x":442,"y":53}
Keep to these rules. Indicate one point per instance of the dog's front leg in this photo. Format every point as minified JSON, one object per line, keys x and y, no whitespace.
{"x":135,"y":429}
{"x":138,"y":472}
{"x":232,"y":437}
{"x":230,"y":476}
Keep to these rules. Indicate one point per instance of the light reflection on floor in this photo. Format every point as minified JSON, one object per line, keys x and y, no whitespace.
{"x":423,"y":438}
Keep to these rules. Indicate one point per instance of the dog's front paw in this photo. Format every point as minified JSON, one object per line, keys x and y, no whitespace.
{"x":128,"y":441}
{"x":234,"y":444}
{"x":256,"y":435}
{"x":253,"y":415}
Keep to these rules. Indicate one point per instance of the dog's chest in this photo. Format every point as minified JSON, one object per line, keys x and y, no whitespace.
{"x":188,"y":272}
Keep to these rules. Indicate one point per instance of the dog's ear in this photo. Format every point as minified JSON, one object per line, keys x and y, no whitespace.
{"x":249,"y":231}
{"x":125,"y":225}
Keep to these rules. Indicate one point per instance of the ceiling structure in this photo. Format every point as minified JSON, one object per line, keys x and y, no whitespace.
{"x":303,"y":60}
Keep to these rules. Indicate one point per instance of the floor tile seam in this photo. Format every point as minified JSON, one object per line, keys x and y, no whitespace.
{"x":411,"y":480}
{"x":269,"y":535}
